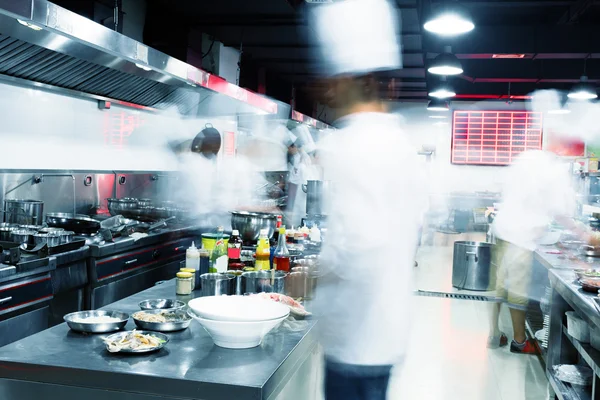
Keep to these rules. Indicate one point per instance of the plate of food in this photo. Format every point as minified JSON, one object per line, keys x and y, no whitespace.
{"x":135,"y":342}
{"x":162,"y":320}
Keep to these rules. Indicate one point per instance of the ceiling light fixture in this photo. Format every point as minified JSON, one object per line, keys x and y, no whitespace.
{"x":445,"y":64}
{"x":443,"y":92}
{"x":438,"y":116}
{"x":583,"y":90}
{"x":509,"y":56}
{"x":449,"y":20}
{"x":560,"y":111}
{"x":144,"y":67}
{"x":438,"y":106}
{"x":30,"y":25}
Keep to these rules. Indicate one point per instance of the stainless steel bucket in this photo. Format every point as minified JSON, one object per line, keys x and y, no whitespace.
{"x":472,"y":268}
{"x":24,"y":212}
{"x":263,"y":281}
{"x":217,"y":284}
{"x":316,"y":193}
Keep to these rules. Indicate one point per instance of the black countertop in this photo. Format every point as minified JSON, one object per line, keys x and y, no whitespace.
{"x":190,"y":366}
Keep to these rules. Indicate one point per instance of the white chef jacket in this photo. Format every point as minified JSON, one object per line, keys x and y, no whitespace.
{"x":536,"y":190}
{"x":376,"y":201}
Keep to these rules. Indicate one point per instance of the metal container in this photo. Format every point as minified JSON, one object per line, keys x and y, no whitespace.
{"x":66,"y":236}
{"x":217,"y":284}
{"x":263,"y":281}
{"x":21,"y":211}
{"x":50,"y":230}
{"x":40,"y":238}
{"x":6,"y":231}
{"x":118,"y":206}
{"x":249,"y":224}
{"x":71,"y":318}
{"x":180,"y":321}
{"x":237,"y":280}
{"x":22,"y":236}
{"x":144,"y":202}
{"x":472,"y":268}
{"x":316,"y":193}
{"x":161,"y":304}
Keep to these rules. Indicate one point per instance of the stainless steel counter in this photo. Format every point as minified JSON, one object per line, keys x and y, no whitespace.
{"x":59,"y":363}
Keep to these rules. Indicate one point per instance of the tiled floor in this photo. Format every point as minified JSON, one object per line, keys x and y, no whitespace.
{"x":448,"y":358}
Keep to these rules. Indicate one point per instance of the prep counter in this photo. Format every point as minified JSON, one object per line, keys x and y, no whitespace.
{"x":567,"y":295}
{"x":61,"y":364}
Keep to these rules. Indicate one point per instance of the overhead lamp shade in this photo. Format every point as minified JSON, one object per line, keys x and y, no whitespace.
{"x":443,"y":92}
{"x":438,"y":106}
{"x":583,"y":90}
{"x":449,"y":20}
{"x":445,"y":64}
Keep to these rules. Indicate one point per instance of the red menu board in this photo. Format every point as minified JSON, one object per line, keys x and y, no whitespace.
{"x":494,"y":137}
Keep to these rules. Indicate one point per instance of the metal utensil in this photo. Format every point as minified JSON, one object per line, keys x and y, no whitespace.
{"x":249,"y":224}
{"x":161,"y":304}
{"x":72,"y":320}
{"x":180,"y":321}
{"x":121,"y":335}
{"x":22,"y":236}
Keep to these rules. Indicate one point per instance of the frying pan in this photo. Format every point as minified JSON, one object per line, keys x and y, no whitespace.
{"x":73,"y":222}
{"x":207,"y":142}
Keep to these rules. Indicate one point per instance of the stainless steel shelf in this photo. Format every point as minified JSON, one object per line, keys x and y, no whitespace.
{"x":590,"y":355}
{"x":566,"y":391}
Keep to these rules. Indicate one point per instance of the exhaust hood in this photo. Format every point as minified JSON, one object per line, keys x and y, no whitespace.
{"x":48,"y":47}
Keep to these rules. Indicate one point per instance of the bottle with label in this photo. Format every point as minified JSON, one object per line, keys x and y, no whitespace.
{"x":234,"y":251}
{"x":218,"y":259}
{"x":275,"y":238}
{"x":281,"y":259}
{"x":263,"y":251}
{"x":192,"y":257}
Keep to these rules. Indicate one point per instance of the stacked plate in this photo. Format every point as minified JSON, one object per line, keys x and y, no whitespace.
{"x":237,"y":322}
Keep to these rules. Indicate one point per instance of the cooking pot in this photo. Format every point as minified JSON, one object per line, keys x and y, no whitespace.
{"x":23,"y":211}
{"x":118,"y":206}
{"x":6,"y":230}
{"x":249,"y":224}
{"x":471,"y":267}
{"x":22,"y":236}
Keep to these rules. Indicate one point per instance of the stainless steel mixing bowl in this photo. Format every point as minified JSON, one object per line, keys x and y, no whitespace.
{"x":250,"y":224}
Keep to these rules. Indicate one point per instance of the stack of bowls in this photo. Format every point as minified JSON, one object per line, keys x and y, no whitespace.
{"x":237,"y":322}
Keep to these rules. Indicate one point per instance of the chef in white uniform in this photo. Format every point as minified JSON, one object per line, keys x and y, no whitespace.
{"x":376,"y":201}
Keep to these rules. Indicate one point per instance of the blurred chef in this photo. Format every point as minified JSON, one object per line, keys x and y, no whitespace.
{"x":537,"y":192}
{"x":375,"y":205}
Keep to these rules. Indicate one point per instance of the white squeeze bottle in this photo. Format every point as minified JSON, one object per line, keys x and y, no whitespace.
{"x":192,"y":257}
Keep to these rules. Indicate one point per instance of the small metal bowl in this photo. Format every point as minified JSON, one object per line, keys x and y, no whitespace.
{"x":96,"y":327}
{"x":161,"y":304}
{"x":181,"y":322}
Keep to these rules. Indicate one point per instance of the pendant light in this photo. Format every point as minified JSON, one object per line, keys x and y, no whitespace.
{"x":445,"y":64}
{"x":443,"y":91}
{"x":583,"y":90}
{"x":451,"y":19}
{"x":438,"y":106}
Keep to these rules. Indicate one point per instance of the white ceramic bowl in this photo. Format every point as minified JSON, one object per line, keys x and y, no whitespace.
{"x":238,"y":308}
{"x":550,"y":238}
{"x":237,"y":335}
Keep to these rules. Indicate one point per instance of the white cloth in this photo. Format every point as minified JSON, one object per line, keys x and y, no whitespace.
{"x":357,"y":36}
{"x":537,"y":190}
{"x":376,"y":201}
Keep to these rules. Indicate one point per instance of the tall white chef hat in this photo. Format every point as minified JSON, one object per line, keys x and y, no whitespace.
{"x":356,"y":37}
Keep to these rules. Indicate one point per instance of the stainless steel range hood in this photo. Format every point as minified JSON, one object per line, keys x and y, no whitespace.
{"x":55,"y":49}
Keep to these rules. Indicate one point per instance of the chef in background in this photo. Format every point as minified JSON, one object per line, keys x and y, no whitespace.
{"x":363,"y":301}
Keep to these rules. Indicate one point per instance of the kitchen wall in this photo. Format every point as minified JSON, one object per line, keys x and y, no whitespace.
{"x":42,"y":130}
{"x":437,"y":134}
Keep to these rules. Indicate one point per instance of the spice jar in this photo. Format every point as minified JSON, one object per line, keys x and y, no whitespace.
{"x":184,"y":283}
{"x":193,"y":272}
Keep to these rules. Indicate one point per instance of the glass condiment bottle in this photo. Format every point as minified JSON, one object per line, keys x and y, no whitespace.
{"x":218,"y":259}
{"x":183,"y":284}
{"x":234,"y":251}
{"x":263,"y":251}
{"x":281,"y":258}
